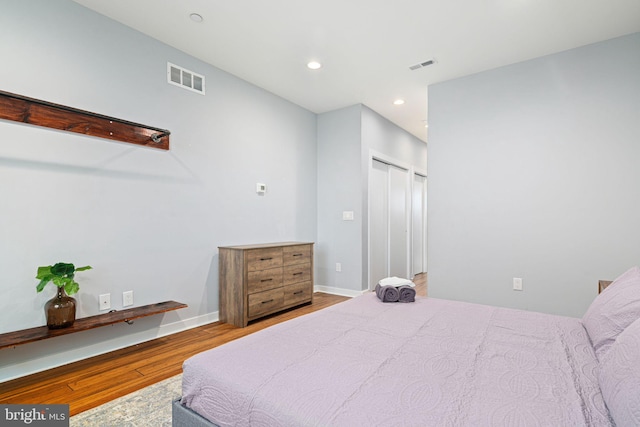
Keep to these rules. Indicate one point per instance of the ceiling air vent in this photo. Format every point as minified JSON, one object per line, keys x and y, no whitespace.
{"x":422,"y":64}
{"x":185,"y":79}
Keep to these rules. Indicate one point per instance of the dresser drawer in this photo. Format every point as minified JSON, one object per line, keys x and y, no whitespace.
{"x":262,"y":259}
{"x":300,"y":292}
{"x":265,"y":302}
{"x":296,"y":273}
{"x":297,"y":254}
{"x":262,"y":280}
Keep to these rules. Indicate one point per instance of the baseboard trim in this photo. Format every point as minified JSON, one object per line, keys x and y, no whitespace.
{"x":339,"y":291}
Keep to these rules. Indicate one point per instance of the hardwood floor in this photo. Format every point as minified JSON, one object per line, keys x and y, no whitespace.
{"x":97,"y":380}
{"x":421,"y":284}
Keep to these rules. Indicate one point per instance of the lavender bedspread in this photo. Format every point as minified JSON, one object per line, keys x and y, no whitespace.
{"x":429,"y":363}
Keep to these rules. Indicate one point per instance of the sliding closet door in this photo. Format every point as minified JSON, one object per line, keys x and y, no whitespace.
{"x":398,"y":222}
{"x":419,"y":225}
{"x":378,"y":223}
{"x":388,"y":221}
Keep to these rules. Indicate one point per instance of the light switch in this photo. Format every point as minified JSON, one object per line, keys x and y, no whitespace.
{"x":517,"y":284}
{"x":127,"y":298}
{"x":347,"y":216}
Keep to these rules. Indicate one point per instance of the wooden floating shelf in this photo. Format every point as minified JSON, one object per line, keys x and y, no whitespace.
{"x":11,"y":339}
{"x":19,"y":108}
{"x":602,"y":284}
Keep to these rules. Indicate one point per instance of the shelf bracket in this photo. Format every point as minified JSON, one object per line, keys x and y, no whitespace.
{"x":127,"y":321}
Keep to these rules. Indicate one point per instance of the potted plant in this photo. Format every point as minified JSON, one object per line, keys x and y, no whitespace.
{"x":61,"y":309}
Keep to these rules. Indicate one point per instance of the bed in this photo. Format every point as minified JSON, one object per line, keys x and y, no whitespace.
{"x":428,"y":363}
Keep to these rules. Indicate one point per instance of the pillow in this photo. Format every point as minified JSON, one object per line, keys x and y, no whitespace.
{"x":619,"y":377}
{"x":613,"y":310}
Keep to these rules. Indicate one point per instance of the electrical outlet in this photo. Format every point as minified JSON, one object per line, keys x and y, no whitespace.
{"x":517,"y":284}
{"x":105,"y":301}
{"x":127,"y":298}
{"x":338,"y":266}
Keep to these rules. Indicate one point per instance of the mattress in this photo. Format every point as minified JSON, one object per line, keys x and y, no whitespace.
{"x":428,"y":363}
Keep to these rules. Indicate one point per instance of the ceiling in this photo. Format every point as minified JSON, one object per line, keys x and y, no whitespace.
{"x":367,"y":46}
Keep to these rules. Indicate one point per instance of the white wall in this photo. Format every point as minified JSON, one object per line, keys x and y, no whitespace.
{"x":346,"y":139}
{"x":533,"y":173}
{"x":147,"y":220}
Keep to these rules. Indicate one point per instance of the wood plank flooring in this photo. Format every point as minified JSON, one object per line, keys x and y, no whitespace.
{"x":97,"y":380}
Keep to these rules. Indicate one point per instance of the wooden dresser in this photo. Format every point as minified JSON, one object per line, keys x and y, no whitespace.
{"x":257,"y":280}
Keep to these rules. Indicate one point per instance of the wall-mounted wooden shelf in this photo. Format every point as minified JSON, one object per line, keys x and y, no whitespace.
{"x":42,"y":113}
{"x":11,"y":339}
{"x":602,"y":284}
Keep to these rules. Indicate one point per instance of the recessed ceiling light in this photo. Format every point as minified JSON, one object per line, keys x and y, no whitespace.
{"x":196,"y":17}
{"x":398,"y":102}
{"x":314,"y":65}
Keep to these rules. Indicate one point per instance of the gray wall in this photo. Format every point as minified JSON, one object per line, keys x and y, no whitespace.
{"x":533,"y":173}
{"x":339,"y":189}
{"x":346,"y":140}
{"x":146,"y":220}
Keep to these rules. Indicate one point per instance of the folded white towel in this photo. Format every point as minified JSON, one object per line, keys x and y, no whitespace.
{"x":396,"y":281}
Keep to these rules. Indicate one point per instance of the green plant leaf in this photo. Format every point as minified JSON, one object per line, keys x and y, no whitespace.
{"x":42,"y":284}
{"x":43,"y":272}
{"x":86,"y":267}
{"x":63,"y":269}
{"x":71,"y":287}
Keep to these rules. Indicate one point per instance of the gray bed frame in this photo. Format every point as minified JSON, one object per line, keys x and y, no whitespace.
{"x":181,"y":416}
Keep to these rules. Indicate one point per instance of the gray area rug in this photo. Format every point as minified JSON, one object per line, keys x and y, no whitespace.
{"x":148,"y":407}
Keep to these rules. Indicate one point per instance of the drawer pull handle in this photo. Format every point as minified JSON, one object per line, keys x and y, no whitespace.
{"x":266,"y":259}
{"x":266,"y":280}
{"x":267,"y":301}
{"x":297,"y":254}
{"x":297,"y":274}
{"x":299,"y":292}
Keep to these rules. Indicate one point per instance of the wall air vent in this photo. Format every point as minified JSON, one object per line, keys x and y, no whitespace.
{"x":422,"y":64}
{"x":185,"y":79}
